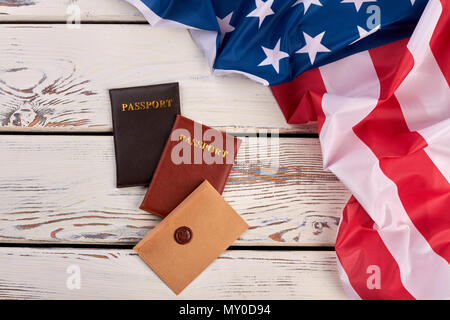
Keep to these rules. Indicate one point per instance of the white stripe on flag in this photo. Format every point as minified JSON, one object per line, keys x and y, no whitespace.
{"x":439,"y":150}
{"x":427,"y":110}
{"x":348,"y":101}
{"x":351,"y":102}
{"x":206,"y":41}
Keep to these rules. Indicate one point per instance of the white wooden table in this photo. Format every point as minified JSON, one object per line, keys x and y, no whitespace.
{"x":58,"y":203}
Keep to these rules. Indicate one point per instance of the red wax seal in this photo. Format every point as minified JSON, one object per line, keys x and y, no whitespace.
{"x":183,"y":235}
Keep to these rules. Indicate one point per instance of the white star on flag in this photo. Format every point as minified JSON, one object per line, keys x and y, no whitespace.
{"x":225,"y":26}
{"x":313,"y":46}
{"x":363,"y":33}
{"x":273,"y":57}
{"x":358,"y":3}
{"x":263,"y":9}
{"x":307,"y":4}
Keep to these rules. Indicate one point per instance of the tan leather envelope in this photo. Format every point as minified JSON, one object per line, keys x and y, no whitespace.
{"x":191,"y":237}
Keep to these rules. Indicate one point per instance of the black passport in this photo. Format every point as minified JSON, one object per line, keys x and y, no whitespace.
{"x":142,"y":120}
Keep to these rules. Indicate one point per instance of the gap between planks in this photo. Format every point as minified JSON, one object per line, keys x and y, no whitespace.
{"x":309,"y":275}
{"x":63,"y":77}
{"x":313,"y":281}
{"x":61,"y":189}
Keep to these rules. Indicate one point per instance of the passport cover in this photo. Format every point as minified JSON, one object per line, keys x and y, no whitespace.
{"x":142,"y":120}
{"x":213,"y":225}
{"x":193,"y":153}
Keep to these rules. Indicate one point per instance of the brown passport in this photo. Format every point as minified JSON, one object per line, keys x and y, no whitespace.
{"x":193,"y":153}
{"x":191,"y":237}
{"x":142,"y":120}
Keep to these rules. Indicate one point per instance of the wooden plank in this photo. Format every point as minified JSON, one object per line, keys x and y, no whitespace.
{"x":62,"y":189}
{"x":121,"y":274}
{"x":55,"y":79}
{"x":59,"y":11}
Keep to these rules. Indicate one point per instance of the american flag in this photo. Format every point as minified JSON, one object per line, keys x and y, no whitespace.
{"x":375,"y":76}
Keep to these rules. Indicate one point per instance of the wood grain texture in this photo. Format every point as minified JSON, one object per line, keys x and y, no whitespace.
{"x":121,"y":274}
{"x":62,"y":189}
{"x":59,"y":11}
{"x":56,"y":79}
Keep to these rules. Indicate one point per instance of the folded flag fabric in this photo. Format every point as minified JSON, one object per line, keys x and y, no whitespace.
{"x":274,"y":41}
{"x":375,"y":76}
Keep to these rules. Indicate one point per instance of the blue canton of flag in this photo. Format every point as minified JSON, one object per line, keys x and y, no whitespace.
{"x":274,"y":41}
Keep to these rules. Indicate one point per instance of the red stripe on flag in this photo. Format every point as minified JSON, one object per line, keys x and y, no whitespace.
{"x":300,"y":100}
{"x":440,"y":42}
{"x":362,"y":254}
{"x":425,"y":194}
{"x":423,"y":190}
